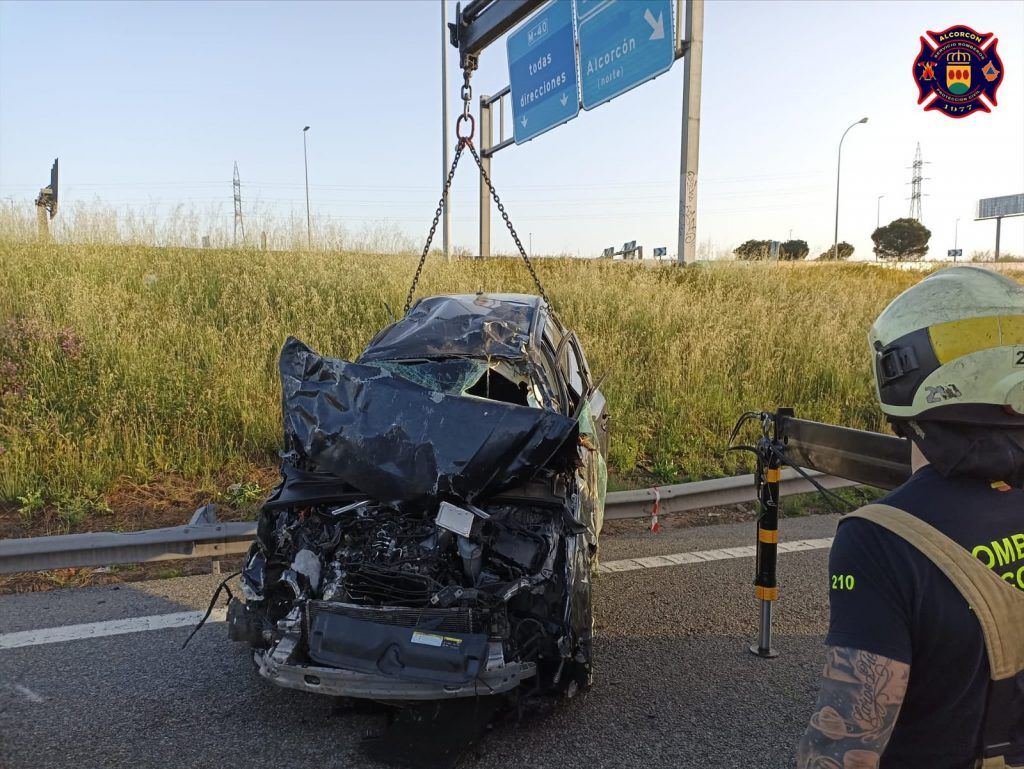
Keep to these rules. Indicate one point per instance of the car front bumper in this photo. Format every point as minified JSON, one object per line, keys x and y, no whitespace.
{"x":279,"y":666}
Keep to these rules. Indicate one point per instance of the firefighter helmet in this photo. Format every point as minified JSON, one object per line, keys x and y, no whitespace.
{"x":952,"y":348}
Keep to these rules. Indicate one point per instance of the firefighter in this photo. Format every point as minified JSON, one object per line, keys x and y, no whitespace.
{"x":926,"y":637}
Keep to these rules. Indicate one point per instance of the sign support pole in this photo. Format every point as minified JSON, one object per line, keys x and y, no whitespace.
{"x":687,"y":241}
{"x":486,"y":141}
{"x":446,"y":226}
{"x":999,"y":223}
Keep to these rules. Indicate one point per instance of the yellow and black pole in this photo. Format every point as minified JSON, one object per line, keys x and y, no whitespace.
{"x":769,"y":473}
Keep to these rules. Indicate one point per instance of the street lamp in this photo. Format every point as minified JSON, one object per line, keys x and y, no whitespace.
{"x":305,"y":162}
{"x":878,"y":212}
{"x":839,"y":163}
{"x":956,"y":231}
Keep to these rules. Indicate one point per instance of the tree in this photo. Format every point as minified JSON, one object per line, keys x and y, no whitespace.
{"x":901,"y":239}
{"x":753,"y":250}
{"x":843,"y":251}
{"x":793,"y":249}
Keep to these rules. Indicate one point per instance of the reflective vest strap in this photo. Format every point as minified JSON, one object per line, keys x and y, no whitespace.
{"x":998,"y":605}
{"x":997,"y":763}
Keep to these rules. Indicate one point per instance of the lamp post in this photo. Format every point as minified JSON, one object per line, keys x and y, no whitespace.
{"x":839,"y":164}
{"x":305,"y":162}
{"x":878,"y":212}
{"x":447,"y":221}
{"x":956,"y":231}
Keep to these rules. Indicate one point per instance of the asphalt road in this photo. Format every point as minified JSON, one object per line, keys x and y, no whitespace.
{"x":676,"y":686}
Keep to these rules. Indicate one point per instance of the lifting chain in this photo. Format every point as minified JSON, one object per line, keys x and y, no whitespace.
{"x":467,"y":141}
{"x":433,"y":225}
{"x":512,"y":230}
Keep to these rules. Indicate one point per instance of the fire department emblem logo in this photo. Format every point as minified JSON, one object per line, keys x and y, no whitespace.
{"x":958,"y":71}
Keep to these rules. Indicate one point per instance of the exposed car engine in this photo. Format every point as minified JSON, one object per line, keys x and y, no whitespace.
{"x":502,"y":578}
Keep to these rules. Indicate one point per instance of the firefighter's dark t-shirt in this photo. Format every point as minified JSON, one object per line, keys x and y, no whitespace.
{"x":889,"y":599}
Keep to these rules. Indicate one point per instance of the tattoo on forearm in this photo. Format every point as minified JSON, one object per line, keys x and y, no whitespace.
{"x":860,"y":699}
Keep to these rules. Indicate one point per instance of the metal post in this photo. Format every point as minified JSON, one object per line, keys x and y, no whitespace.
{"x":769,"y":473}
{"x":689,"y":151}
{"x":42,"y":218}
{"x":956,"y":231}
{"x":839,"y":165}
{"x":878,"y":212}
{"x":680,"y":43}
{"x":999,"y":225}
{"x":486,"y":140}
{"x":444,"y":127}
{"x":501,"y":120}
{"x":305,"y":162}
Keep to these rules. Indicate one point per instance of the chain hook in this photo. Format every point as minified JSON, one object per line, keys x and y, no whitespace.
{"x":468,"y":138}
{"x":467,"y":92}
{"x":467,"y":100}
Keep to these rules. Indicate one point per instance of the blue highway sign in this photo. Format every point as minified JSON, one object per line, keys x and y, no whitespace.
{"x":623,"y":43}
{"x":542,"y":71}
{"x":586,"y":7}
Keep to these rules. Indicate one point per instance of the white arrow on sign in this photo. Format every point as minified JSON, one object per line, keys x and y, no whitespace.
{"x":657,"y":25}
{"x":523,"y":121}
{"x":564,"y":100}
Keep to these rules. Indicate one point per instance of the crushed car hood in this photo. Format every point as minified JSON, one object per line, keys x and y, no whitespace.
{"x":475,"y":325}
{"x":403,"y":443}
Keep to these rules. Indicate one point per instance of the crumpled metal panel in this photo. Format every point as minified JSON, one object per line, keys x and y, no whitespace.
{"x":474,"y":325}
{"x":399,"y":442}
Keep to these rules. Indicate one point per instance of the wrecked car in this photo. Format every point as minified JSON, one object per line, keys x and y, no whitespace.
{"x":437,"y":521}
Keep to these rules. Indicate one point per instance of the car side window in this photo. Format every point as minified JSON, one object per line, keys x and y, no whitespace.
{"x":572,"y":370}
{"x":550,"y":374}
{"x":582,"y":369}
{"x":552,"y":334}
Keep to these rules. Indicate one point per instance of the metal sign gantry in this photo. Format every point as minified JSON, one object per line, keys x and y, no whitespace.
{"x":607,"y":47}
{"x":997,"y":208}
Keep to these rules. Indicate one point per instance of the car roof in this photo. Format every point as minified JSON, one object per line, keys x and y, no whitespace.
{"x":461,"y":325}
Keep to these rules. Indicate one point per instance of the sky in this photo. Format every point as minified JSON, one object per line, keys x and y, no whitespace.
{"x":149,"y":105}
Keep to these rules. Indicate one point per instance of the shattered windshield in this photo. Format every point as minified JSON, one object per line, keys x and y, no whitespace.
{"x":520,"y":382}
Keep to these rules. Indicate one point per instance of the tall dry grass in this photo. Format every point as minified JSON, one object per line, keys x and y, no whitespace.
{"x":128,"y":362}
{"x":187,"y":225}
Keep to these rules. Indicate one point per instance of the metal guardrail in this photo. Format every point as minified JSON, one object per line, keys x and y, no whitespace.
{"x":714,"y":493}
{"x":204,"y":537}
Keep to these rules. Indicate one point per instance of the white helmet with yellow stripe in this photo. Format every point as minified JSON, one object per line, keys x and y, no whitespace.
{"x":951,"y":348}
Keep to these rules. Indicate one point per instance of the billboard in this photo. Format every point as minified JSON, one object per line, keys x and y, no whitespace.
{"x":1007,"y":205}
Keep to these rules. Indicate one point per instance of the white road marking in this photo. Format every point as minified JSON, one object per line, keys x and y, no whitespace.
{"x":724,"y":554}
{"x":189,"y":618}
{"x":27,"y":693}
{"x":52,"y":635}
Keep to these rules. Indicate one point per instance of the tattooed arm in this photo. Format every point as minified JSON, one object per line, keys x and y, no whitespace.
{"x":860,"y":698}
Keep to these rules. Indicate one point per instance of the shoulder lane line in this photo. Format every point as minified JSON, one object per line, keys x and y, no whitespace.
{"x":189,"y":618}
